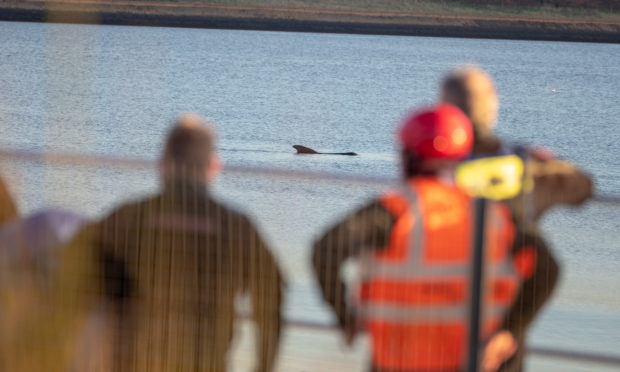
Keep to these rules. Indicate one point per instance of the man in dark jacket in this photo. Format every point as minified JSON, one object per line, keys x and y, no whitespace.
{"x":174,"y":264}
{"x":548,"y":181}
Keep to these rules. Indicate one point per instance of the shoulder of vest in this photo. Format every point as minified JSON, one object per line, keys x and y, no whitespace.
{"x":396,"y":203}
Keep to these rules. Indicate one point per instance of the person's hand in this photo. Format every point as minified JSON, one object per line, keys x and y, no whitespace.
{"x":349,"y":335}
{"x":500,"y":348}
{"x":350,"y":330}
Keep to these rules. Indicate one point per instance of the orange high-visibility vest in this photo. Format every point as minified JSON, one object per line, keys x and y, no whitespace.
{"x":415,"y":293}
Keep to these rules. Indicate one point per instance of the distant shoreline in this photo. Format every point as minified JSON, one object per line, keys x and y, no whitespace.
{"x":308,"y":20}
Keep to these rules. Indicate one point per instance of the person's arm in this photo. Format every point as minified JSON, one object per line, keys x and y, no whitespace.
{"x":539,"y":270}
{"x":265,"y":283}
{"x":366,"y":229}
{"x":557,"y":182}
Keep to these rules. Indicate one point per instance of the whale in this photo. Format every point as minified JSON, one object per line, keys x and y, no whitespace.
{"x":306,"y":150}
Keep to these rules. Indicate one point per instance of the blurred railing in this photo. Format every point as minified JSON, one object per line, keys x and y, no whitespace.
{"x":69,"y":160}
{"x":106,"y":161}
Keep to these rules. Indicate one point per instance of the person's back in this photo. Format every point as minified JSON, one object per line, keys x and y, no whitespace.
{"x":415,"y":246}
{"x":173,"y":266}
{"x":415,"y":298}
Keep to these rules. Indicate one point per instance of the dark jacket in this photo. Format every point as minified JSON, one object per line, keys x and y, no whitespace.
{"x":174,"y":265}
{"x":552,"y":182}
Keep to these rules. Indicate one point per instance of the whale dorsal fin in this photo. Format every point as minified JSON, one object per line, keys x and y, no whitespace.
{"x":307,"y":150}
{"x":304,"y":150}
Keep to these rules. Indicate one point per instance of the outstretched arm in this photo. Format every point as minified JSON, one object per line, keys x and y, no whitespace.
{"x":557,"y":182}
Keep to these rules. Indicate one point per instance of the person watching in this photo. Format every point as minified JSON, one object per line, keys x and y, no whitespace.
{"x":548,"y":181}
{"x":414,"y":251}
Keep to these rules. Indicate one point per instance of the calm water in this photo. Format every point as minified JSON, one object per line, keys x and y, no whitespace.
{"x":114,"y":90}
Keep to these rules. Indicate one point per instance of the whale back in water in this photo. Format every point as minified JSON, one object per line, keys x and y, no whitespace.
{"x":306,"y":150}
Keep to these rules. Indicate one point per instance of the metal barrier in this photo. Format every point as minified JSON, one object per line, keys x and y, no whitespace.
{"x":99,"y":161}
{"x":546,"y":352}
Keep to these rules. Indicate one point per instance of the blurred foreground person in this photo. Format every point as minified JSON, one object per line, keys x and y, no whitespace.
{"x":174,"y":264}
{"x":29,"y":262}
{"x":548,"y":181}
{"x":165,"y":271}
{"x":414,"y":247}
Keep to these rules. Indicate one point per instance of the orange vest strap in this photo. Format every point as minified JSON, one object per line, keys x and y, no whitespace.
{"x":412,"y":293}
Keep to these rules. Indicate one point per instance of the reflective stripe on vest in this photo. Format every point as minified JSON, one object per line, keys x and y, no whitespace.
{"x":413,"y":290}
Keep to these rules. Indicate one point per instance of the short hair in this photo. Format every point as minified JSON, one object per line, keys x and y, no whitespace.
{"x":189,"y":148}
{"x":472,"y":90}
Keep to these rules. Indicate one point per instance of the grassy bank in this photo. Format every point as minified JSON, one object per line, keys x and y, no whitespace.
{"x":391,"y":17}
{"x":426,"y":7}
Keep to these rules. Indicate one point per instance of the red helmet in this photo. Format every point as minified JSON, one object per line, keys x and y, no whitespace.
{"x":443,"y":132}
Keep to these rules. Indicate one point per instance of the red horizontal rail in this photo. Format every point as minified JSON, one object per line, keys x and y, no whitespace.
{"x":574,"y":355}
{"x":100,"y":161}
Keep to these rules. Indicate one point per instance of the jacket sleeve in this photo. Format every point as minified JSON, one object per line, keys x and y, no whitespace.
{"x":557,"y":182}
{"x":539,"y":281}
{"x":265,"y":282}
{"x":366,"y":229}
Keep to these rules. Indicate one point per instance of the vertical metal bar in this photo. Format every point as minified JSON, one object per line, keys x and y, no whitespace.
{"x":476,"y":284}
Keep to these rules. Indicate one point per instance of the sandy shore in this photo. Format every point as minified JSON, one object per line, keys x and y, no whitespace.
{"x":308,"y":20}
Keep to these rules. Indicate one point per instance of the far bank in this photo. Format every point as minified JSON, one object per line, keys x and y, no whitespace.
{"x":168,"y":14}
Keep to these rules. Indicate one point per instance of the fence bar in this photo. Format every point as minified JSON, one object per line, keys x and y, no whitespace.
{"x":575,"y":355}
{"x":607,"y":199}
{"x":98,"y":161}
{"x":544,"y":352}
{"x":476,"y":285}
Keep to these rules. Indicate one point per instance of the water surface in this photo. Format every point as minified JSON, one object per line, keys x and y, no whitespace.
{"x":113,"y":90}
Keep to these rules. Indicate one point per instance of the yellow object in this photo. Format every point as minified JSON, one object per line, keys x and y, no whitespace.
{"x":499,"y":177}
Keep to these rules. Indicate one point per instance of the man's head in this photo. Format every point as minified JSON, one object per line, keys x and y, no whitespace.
{"x":189,"y":150}
{"x":472,"y":90}
{"x":435,"y":139}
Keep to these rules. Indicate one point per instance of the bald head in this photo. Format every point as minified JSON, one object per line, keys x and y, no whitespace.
{"x":472,"y":90}
{"x":189,"y":148}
